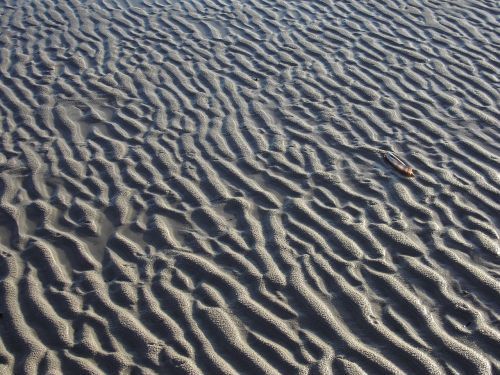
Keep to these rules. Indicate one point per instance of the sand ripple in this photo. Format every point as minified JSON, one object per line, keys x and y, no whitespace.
{"x":197,"y":187}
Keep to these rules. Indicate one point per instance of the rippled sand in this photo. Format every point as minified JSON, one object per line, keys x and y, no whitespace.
{"x":198,"y":187}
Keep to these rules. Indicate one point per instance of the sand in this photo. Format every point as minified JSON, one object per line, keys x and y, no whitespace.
{"x":198,"y":187}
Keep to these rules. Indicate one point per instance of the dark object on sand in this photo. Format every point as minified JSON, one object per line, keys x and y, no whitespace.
{"x":398,"y":164}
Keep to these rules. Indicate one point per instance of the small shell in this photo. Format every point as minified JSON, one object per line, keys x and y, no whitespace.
{"x":398,"y":164}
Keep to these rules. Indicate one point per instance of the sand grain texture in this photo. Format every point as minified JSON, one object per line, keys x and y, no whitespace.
{"x":198,"y":187}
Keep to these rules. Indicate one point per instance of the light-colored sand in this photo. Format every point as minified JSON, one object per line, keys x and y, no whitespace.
{"x":197,"y":187}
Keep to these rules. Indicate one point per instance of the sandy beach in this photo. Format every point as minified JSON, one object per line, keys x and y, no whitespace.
{"x":224,"y":187}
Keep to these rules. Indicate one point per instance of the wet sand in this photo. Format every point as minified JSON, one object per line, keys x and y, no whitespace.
{"x":199,"y":187}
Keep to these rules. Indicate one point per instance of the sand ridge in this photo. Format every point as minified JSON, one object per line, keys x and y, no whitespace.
{"x":198,"y":187}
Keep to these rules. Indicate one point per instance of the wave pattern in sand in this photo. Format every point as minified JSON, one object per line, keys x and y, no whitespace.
{"x":196,"y":187}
